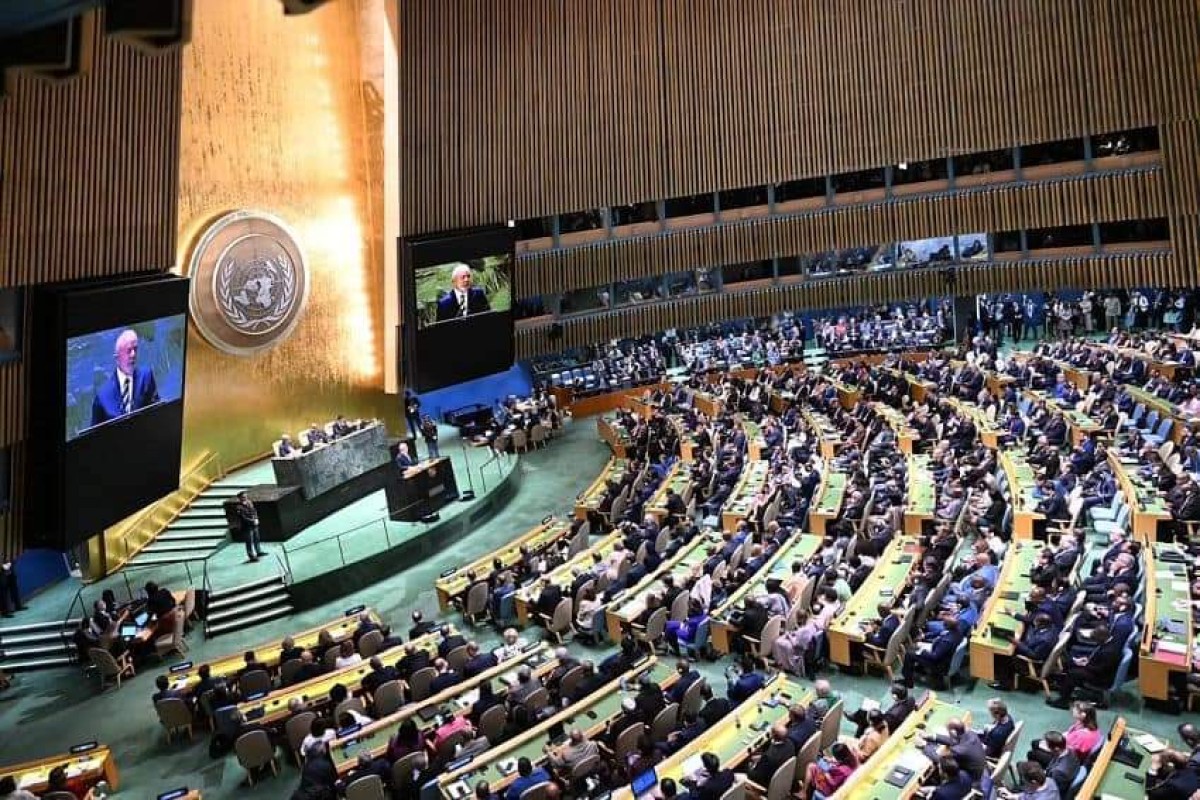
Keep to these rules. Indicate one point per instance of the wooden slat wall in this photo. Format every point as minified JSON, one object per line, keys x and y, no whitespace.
{"x":1096,"y":197}
{"x":1138,"y":269}
{"x":535,"y":107}
{"x":88,"y":186}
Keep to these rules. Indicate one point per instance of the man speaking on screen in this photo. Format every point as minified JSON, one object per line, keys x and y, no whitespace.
{"x":464,"y":299}
{"x":128,"y":387}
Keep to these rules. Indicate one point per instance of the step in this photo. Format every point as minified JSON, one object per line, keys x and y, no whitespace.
{"x":39,"y":663}
{"x":198,"y":524}
{"x":218,"y":595}
{"x":179,"y":547}
{"x":33,"y":651}
{"x":9,"y":640}
{"x":191,"y":535}
{"x":273,"y":599}
{"x":206,"y":501}
{"x":248,"y":621}
{"x":227,"y":487}
{"x":30,"y":627}
{"x":192,"y":512}
{"x":245,"y":597}
{"x":142,"y":560}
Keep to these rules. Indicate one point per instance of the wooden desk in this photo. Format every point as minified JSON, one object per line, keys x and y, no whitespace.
{"x":315,"y":692}
{"x":537,"y":539}
{"x":885,"y":583}
{"x":901,"y":749}
{"x":1109,"y":779}
{"x":613,"y":434}
{"x":373,"y":738}
{"x":800,"y":548}
{"x":562,"y":575}
{"x":679,"y":479}
{"x":687,"y":442}
{"x":92,"y":764}
{"x":1182,"y":423}
{"x":756,"y":446}
{"x":497,"y":765}
{"x":921,"y":502}
{"x":589,"y":498}
{"x":736,"y":735}
{"x":738,"y":506}
{"x":828,"y":503}
{"x":1079,"y":425}
{"x":626,"y":606}
{"x":906,"y":437}
{"x":1146,"y":504}
{"x":608,"y":401}
{"x":1168,"y":601}
{"x":831,"y":437}
{"x":707,"y":403}
{"x":268,"y":653}
{"x":848,"y":396}
{"x":1021,"y":485}
{"x":988,"y":432}
{"x":1007,"y":599}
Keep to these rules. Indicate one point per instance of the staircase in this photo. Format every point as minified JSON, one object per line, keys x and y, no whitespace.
{"x":198,"y":531}
{"x":37,"y":645}
{"x":248,"y":604}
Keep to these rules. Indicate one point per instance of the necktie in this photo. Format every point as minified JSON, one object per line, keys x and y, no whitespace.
{"x":462,"y":305}
{"x":127,"y":395}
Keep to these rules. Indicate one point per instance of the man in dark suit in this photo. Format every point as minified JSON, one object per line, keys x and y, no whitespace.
{"x":450,"y":641}
{"x":687,"y":676}
{"x":128,"y":387}
{"x":1097,"y":668}
{"x":445,"y":677}
{"x":367,"y":765}
{"x":378,"y":676}
{"x":935,"y":659}
{"x":715,"y":707}
{"x":462,"y":300}
{"x":414,"y":659}
{"x":477,"y":662}
{"x":718,"y":782}
{"x":778,"y":750}
{"x":421,"y":626}
{"x":404,"y":459}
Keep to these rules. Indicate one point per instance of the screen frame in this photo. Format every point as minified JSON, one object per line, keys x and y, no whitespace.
{"x":496,"y":328}
{"x":67,"y":499}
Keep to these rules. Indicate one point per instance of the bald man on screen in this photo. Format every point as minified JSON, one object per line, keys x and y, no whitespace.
{"x":463,"y":299}
{"x":128,"y":387}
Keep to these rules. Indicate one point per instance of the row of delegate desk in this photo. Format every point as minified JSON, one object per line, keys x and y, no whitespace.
{"x":589,"y":499}
{"x":688,"y":562}
{"x":740,"y":503}
{"x":886,"y":582}
{"x":87,"y":763}
{"x":679,"y":482}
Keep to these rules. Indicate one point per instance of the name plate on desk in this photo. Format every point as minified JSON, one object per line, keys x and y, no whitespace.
{"x":328,"y":466}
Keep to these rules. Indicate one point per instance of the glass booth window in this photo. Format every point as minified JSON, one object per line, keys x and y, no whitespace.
{"x":577,"y":221}
{"x":983,"y":163}
{"x":633,"y":214}
{"x":639,"y":290}
{"x":920,"y":172}
{"x":689,"y":206}
{"x":11,"y":305}
{"x":591,"y":299}
{"x":743,"y":198}
{"x":800,"y":189}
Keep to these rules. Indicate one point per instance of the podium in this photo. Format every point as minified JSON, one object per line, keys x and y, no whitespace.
{"x":420,"y":490}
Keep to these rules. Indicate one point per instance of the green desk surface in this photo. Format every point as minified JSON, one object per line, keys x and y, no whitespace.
{"x":895,"y":419}
{"x":885,"y":583}
{"x":1020,"y":479}
{"x":1172,"y":604}
{"x":375,"y":737}
{"x":823,"y":426}
{"x":1114,"y":781}
{"x":268,"y":652}
{"x":800,"y":548}
{"x":633,"y":601}
{"x":613,"y":469}
{"x":975,"y":413}
{"x":536,"y":540}
{"x":563,"y":575}
{"x":922,"y":493}
{"x":498,"y":765}
{"x":1019,"y":559}
{"x":833,"y":488}
{"x":1148,"y":500}
{"x":736,"y":734}
{"x":869,"y":782}
{"x":679,"y":479}
{"x":754,"y":476}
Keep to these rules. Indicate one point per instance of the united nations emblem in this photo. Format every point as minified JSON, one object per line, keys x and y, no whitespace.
{"x":249,"y":282}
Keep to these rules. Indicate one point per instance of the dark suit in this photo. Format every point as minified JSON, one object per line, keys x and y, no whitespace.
{"x":716,"y":786}
{"x":107,"y":403}
{"x":447,"y":307}
{"x":771,"y":760}
{"x":478,"y":664}
{"x":443,"y":681}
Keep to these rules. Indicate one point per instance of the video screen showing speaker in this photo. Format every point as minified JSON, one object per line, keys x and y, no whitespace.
{"x":123,"y":370}
{"x":108,"y":386}
{"x":458,"y":289}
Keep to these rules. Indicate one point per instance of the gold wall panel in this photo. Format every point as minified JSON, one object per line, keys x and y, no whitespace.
{"x":275,"y":119}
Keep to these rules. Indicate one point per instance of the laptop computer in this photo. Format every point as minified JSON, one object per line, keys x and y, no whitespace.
{"x":129,"y":631}
{"x":643,"y":784}
{"x":141,"y":619}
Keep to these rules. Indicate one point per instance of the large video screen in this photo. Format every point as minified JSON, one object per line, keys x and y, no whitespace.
{"x":123,"y":370}
{"x":456,"y":291}
{"x":108,"y":363}
{"x":458,"y":297}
